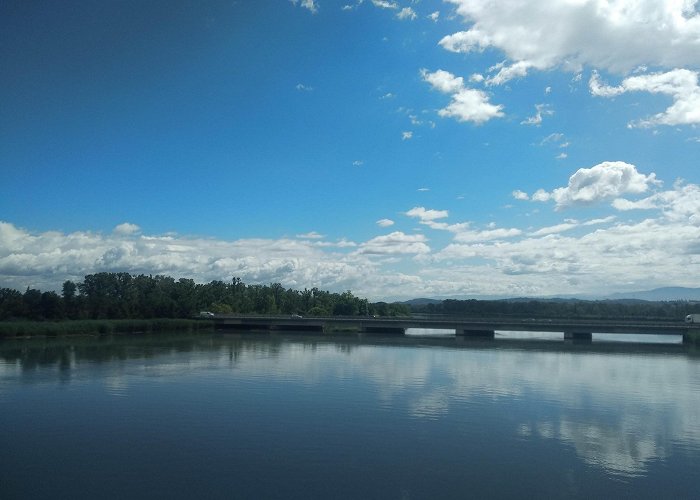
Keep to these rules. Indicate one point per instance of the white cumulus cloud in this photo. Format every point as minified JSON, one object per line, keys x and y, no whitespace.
{"x":682,"y":203}
{"x":540,"y":111}
{"x":127,"y":228}
{"x":384,"y":4}
{"x":307,"y":4}
{"x":313,"y":235}
{"x":45,"y":260}
{"x":656,"y":243}
{"x":407,"y":13}
{"x":443,"y":81}
{"x":556,"y":229}
{"x":486,"y":235}
{"x":395,"y":243}
{"x":617,"y":36}
{"x":680,"y":84}
{"x":603,"y":182}
{"x":427,"y":215}
{"x":467,"y":104}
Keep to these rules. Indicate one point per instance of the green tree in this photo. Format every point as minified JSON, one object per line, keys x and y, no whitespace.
{"x":11,"y":304}
{"x":71,"y":304}
{"x":51,"y":306}
{"x":32,"y":304}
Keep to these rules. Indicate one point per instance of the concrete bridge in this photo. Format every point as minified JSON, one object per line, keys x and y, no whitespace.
{"x":470,"y":327}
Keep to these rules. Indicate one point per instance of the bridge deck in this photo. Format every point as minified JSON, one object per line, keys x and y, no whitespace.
{"x":464,"y":326}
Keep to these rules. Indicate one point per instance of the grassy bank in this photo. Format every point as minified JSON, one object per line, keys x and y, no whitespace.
{"x":99,"y":327}
{"x":692,"y":337}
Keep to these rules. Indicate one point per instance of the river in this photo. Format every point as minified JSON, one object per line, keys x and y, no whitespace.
{"x":301,"y":416}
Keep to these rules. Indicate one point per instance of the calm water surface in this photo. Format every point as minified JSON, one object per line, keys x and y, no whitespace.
{"x":295,"y":416}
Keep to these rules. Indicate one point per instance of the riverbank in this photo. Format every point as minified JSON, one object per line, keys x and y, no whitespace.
{"x":10,"y":329}
{"x":692,"y":337}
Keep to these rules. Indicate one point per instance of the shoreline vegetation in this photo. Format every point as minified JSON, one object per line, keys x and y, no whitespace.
{"x":90,"y":327}
{"x":117,"y":296}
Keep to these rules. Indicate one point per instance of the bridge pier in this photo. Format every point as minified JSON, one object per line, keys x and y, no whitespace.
{"x":383,"y":330}
{"x":296,"y":328}
{"x":242,"y":327}
{"x":578,"y":336}
{"x":482,"y":334}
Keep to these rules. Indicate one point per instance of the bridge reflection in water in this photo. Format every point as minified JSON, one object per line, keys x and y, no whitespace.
{"x":468,"y":327}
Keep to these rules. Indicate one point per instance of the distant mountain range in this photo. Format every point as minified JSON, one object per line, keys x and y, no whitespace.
{"x":660,"y":294}
{"x":669,"y":293}
{"x":421,"y":302}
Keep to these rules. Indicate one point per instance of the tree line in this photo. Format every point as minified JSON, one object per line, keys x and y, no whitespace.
{"x":124,"y":296}
{"x":569,"y":309}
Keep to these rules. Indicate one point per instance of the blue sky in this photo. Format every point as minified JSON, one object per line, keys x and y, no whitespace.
{"x":396,"y":149}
